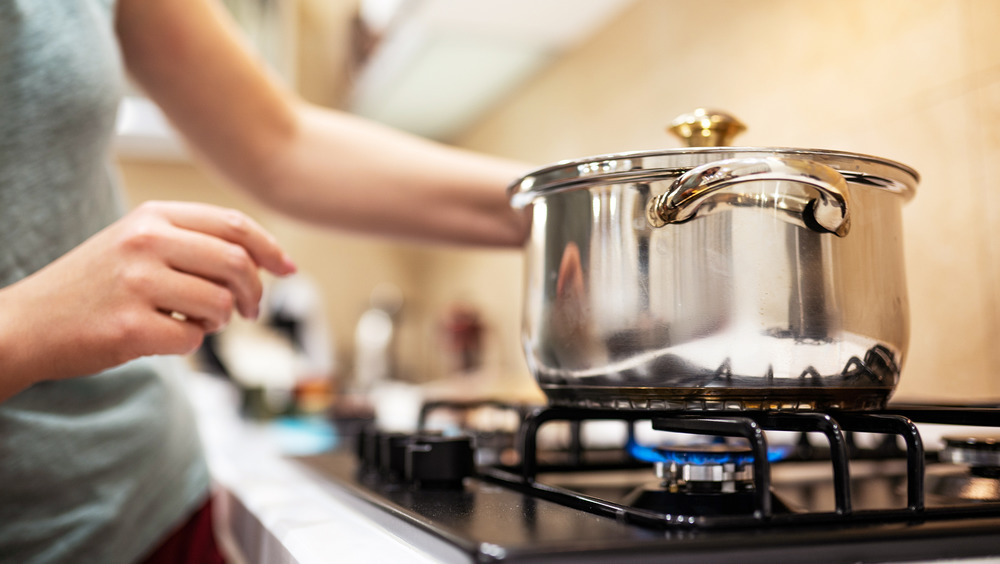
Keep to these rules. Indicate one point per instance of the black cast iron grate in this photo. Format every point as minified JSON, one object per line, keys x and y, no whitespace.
{"x":750,"y":425}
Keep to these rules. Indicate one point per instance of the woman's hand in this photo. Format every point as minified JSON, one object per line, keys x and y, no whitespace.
{"x":154,"y":282}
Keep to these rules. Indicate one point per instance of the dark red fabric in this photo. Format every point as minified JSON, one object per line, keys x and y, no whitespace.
{"x":192,"y":543}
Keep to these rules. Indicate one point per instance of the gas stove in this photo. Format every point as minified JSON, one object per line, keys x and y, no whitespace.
{"x":679,"y":486}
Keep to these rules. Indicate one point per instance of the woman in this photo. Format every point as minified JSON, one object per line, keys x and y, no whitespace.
{"x":99,"y":459}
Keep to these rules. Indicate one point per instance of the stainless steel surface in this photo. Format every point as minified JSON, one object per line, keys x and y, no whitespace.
{"x":971,"y":471}
{"x":975,"y":451}
{"x":724,"y":475}
{"x":813,"y":195}
{"x":739,"y":306}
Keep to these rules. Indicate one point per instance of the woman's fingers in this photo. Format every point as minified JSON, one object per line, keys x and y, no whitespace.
{"x":153,"y":282}
{"x":228,"y":225}
{"x":175,"y":336}
{"x":220,"y":245}
{"x":199,"y":261}
{"x":192,"y":299}
{"x":226,"y":264}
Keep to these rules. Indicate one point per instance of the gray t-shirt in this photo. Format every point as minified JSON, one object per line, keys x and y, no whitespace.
{"x":99,"y":468}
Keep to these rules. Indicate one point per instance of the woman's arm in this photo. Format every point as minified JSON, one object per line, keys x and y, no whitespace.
{"x":320,"y":165}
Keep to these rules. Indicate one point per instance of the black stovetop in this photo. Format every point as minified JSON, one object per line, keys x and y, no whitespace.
{"x":521,"y":513}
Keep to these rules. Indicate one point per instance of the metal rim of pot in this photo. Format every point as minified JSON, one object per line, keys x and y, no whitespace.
{"x":708,"y":166}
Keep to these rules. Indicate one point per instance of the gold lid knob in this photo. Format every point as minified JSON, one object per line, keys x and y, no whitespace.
{"x":706,"y":128}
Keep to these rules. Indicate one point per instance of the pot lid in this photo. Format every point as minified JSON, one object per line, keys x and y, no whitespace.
{"x":700,"y":129}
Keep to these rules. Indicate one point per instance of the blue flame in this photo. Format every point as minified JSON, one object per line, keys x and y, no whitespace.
{"x":701,"y":458}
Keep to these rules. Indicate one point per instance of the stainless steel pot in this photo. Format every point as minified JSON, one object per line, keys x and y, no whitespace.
{"x":717,"y":277}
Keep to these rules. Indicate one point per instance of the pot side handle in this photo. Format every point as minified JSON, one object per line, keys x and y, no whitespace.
{"x":812,"y":195}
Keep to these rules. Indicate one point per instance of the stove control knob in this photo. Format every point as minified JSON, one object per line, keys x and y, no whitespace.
{"x":368,"y":448}
{"x":439,"y":462}
{"x":392,"y":455}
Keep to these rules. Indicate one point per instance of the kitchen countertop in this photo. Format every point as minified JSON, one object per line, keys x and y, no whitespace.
{"x":271,"y":509}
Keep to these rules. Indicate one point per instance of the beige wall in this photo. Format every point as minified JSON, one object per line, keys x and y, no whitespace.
{"x":912,"y":80}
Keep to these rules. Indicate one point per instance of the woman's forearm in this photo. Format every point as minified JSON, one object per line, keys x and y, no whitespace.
{"x":15,"y":347}
{"x":347,"y":172}
{"x":324,"y":166}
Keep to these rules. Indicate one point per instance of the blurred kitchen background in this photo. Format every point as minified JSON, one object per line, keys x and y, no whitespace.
{"x":916,"y":81}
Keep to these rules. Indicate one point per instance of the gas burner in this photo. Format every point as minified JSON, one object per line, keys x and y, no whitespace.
{"x":706,"y":468}
{"x":698,"y":479}
{"x":980,"y":481}
{"x":979,"y":453}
